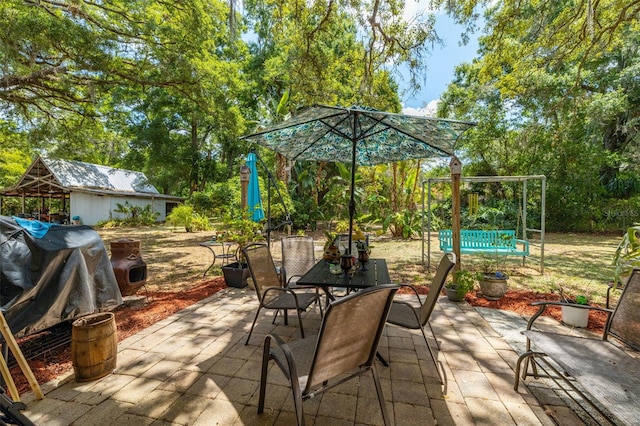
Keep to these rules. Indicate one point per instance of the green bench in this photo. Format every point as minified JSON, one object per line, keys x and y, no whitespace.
{"x":491,"y":242}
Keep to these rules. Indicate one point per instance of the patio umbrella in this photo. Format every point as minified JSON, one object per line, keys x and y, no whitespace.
{"x":360,"y":136}
{"x":254,"y":201}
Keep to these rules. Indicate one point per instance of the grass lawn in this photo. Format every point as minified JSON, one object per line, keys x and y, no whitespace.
{"x":578,"y":262}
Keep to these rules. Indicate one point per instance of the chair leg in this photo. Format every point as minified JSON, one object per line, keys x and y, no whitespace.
{"x":435,"y":361}
{"x":320,"y":306}
{"x":263,"y":374}
{"x":434,"y":336}
{"x":300,"y":322}
{"x":253,"y":325}
{"x":297,"y":402}
{"x":383,"y":405}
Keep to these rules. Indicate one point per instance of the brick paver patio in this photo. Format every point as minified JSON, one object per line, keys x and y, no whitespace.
{"x":193,"y":368}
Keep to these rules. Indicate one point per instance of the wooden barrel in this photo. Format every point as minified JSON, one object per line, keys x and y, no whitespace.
{"x":94,"y":346}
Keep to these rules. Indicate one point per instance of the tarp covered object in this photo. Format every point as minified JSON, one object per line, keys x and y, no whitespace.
{"x":45,"y":281}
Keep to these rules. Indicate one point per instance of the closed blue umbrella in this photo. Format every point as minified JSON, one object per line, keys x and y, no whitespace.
{"x":254,"y":201}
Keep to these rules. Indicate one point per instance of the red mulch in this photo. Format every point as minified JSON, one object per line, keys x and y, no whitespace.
{"x":132,"y":318}
{"x":129,"y":320}
{"x":520,"y":302}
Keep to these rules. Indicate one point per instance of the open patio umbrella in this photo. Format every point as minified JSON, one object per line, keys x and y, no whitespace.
{"x":360,"y":136}
{"x":254,"y":200}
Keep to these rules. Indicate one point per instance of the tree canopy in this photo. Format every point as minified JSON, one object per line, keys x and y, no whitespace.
{"x":168,"y":88}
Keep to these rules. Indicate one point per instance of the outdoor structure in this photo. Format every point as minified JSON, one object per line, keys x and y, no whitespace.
{"x":89,"y":191}
{"x":523,"y":230}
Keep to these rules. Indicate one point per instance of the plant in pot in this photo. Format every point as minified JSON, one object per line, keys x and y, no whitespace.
{"x":464,"y":281}
{"x":627,"y":255}
{"x":574,"y":311}
{"x":331,"y":251}
{"x":241,"y":231}
{"x":493,"y":281}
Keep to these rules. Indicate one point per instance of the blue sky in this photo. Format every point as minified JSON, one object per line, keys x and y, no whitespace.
{"x":441,"y":64}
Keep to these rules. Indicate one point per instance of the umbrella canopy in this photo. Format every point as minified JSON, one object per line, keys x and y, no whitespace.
{"x":254,"y":200}
{"x":360,"y":136}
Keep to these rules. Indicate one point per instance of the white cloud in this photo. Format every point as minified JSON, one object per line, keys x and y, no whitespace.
{"x":429,"y":111}
{"x":413,"y":8}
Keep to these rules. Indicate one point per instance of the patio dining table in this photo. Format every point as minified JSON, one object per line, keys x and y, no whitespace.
{"x":320,"y":275}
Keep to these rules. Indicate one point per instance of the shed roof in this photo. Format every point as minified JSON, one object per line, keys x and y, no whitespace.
{"x":55,"y":177}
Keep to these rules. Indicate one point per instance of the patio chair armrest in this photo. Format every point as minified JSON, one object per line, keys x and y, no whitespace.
{"x":283,"y":290}
{"x":414,"y":290}
{"x":272,"y":289}
{"x":291,"y":277}
{"x":543,"y":306}
{"x":289,"y":370}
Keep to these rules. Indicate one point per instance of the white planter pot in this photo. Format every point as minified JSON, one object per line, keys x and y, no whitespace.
{"x":575,"y":317}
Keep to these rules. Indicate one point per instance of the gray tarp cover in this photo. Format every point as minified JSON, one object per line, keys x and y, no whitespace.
{"x":46,"y":281}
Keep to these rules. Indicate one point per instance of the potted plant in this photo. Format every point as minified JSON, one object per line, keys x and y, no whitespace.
{"x":240,"y":231}
{"x":574,"y":313}
{"x":493,"y":281}
{"x":331,"y":251}
{"x":627,"y":255}
{"x":464,"y":281}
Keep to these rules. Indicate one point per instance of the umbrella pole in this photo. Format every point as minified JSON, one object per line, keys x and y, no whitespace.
{"x":456,"y":170}
{"x":352,"y":199}
{"x":269,"y":212}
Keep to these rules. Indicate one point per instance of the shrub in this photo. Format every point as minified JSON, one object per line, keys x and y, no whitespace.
{"x":181,"y":216}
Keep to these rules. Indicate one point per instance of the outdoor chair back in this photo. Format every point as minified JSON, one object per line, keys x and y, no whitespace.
{"x":437,"y":284}
{"x":624,"y":321}
{"x":298,"y":256}
{"x":416,"y":316}
{"x":262,"y":268}
{"x":342,"y":242}
{"x":268,"y":286}
{"x":318,"y":363}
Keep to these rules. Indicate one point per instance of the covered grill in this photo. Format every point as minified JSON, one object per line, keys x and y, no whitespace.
{"x":129,"y":268}
{"x":49,"y":276}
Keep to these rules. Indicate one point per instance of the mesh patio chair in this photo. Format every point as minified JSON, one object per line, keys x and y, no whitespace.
{"x":268,"y":286}
{"x":407,"y":315}
{"x":298,"y":256}
{"x":318,"y":363}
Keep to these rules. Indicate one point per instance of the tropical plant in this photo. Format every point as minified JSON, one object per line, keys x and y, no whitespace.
{"x":464,"y":281}
{"x":581,"y":296}
{"x":242,"y":230}
{"x":627,"y":255}
{"x":136,"y":215}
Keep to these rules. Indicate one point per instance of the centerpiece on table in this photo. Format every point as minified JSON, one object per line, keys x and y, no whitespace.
{"x":363,"y":253}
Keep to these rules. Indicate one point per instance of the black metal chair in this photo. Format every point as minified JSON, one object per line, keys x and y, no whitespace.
{"x":338,"y":353}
